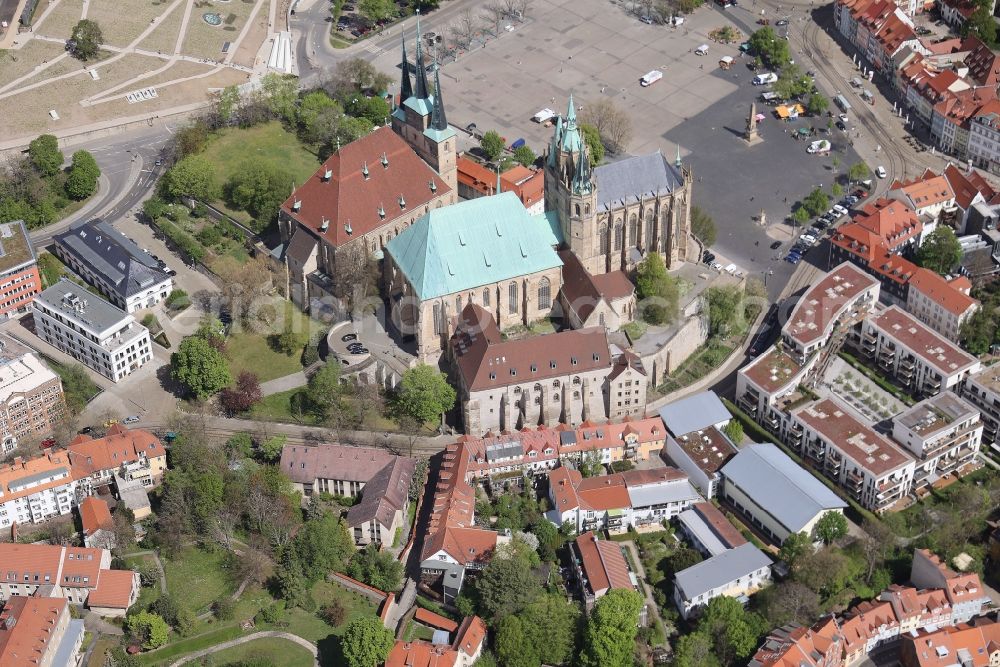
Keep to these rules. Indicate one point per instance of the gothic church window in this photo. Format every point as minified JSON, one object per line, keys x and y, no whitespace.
{"x":648,"y":240}
{"x":512,"y":297}
{"x":486,"y":296}
{"x":633,"y":230}
{"x":603,"y":233}
{"x":618,"y":236}
{"x":437,"y":318}
{"x":544,"y":294}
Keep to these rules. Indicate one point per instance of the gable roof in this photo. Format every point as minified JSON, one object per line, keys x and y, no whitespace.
{"x":694,"y":413}
{"x":384,"y":494}
{"x":603,"y":563}
{"x":110,"y":254}
{"x":941,"y":292}
{"x":304,"y":464}
{"x":26,"y":630}
{"x":473,"y":243}
{"x":119,"y":446}
{"x":776,"y":484}
{"x":584,"y":291}
{"x":114,"y":589}
{"x":94,"y":515}
{"x":634,"y":178}
{"x":719,"y":570}
{"x":348,"y":200}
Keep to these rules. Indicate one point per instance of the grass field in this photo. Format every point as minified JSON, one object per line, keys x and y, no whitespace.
{"x":248,"y":351}
{"x":120,"y":28}
{"x":270,"y":143}
{"x":205,"y":41}
{"x":14,"y":64}
{"x":197,"y":578}
{"x":278,"y":651}
{"x":100,"y":648}
{"x":164,"y":37}
{"x":278,"y":407}
{"x":60,"y":22}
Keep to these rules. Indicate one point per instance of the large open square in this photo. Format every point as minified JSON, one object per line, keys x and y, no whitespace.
{"x":593,"y":48}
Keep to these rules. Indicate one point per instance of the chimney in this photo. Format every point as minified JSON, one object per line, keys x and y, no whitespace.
{"x":296,"y":205}
{"x":385,"y":160}
{"x":327,"y":174}
{"x":364,"y":170}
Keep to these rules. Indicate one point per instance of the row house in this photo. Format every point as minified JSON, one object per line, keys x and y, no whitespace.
{"x":943,"y":305}
{"x":618,"y":502}
{"x":978,"y":645}
{"x":821,"y":645}
{"x":39,"y":632}
{"x":971,"y":191}
{"x":964,"y":590}
{"x":871,"y":469}
{"x":866,"y":626}
{"x":843,"y":295}
{"x":138,"y":451}
{"x":943,"y":433}
{"x":920,"y":359}
{"x":879,"y":29}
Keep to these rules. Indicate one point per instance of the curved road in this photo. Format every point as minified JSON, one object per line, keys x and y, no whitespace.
{"x":295,"y":639}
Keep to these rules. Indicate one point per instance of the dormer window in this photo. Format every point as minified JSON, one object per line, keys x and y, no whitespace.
{"x":381,"y":211}
{"x":402,"y":202}
{"x":513,"y":371}
{"x":364,"y":170}
{"x":385,"y":161}
{"x":433,"y":186}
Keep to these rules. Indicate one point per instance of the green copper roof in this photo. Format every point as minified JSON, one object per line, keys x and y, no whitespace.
{"x":473,"y":243}
{"x":551,"y":219}
{"x":571,"y":141}
{"x":439,"y":135}
{"x":422,"y":105}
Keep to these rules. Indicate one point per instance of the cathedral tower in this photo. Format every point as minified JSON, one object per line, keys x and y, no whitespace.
{"x":420,"y":117}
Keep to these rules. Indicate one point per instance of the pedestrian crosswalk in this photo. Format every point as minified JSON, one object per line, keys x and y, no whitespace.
{"x":370,"y":47}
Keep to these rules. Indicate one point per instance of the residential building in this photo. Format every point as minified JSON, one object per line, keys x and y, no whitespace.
{"x":970,"y":189}
{"x":841,"y":297}
{"x":701,"y":454}
{"x":737,"y":573}
{"x":566,"y":377}
{"x":964,"y":591}
{"x":98,"y":459}
{"x":866,"y":626}
{"x":39,"y":632}
{"x":769,"y":384}
{"x":695,"y":413}
{"x":31,"y":395}
{"x":379,"y":477}
{"x":607,"y":299}
{"x":489,"y":252}
{"x":982,"y":390}
{"x":795,"y":646}
{"x":943,"y":433}
{"x":929,"y":196}
{"x":600,"y":567}
{"x":708,"y":529}
{"x":107,"y":259}
{"x":91,"y":330}
{"x":940,"y":304}
{"x":475,"y":180}
{"x":776,"y":495}
{"x":98,"y":526}
{"x":35,"y":490}
{"x":132,"y":493}
{"x":871,"y":469}
{"x":974,"y":646}
{"x":920,"y":359}
{"x":463,"y":651}
{"x":19,"y":277}
{"x":617,"y":502}
{"x":612,"y":215}
{"x":73,"y":573}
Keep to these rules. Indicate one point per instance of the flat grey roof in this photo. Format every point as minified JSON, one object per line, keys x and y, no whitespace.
{"x":694,"y":413}
{"x":780,"y":486}
{"x":66,"y":652}
{"x":720,"y":570}
{"x":97,"y":313}
{"x":659,"y":494}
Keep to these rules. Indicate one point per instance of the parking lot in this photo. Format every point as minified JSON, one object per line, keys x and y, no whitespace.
{"x":593,"y":48}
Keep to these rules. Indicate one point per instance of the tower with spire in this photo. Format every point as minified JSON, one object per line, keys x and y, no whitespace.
{"x":570,"y":190}
{"x":420,"y":117}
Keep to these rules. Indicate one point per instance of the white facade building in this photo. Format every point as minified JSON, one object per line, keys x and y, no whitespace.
{"x":942,"y":432}
{"x":36,"y":490}
{"x":91,"y":330}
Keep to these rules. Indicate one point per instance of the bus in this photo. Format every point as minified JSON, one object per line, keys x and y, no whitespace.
{"x":650,"y":78}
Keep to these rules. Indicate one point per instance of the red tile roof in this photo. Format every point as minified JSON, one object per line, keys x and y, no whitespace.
{"x":795,"y":646}
{"x":983,"y":63}
{"x":26,"y":629}
{"x":941,"y":292}
{"x":934,"y":349}
{"x":720,"y":525}
{"x":603,"y":564}
{"x":114,"y":589}
{"x":349,"y":200}
{"x":476,"y":176}
{"x":527,"y":184}
{"x":428,"y":617}
{"x":584,"y":291}
{"x":825,"y":301}
{"x":94,"y":515}
{"x":941,"y":648}
{"x":14,"y":474}
{"x":119,"y":446}
{"x":967,"y":185}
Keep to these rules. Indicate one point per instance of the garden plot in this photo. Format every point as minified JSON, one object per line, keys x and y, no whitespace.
{"x":857,"y":391}
{"x":205,"y":41}
{"x":121,"y":25}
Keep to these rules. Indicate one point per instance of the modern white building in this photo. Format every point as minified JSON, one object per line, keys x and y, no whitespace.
{"x":91,"y":330}
{"x":943,"y":433}
{"x":31,"y":395}
{"x":734,"y":573}
{"x":983,"y":391}
{"x":36,"y":490}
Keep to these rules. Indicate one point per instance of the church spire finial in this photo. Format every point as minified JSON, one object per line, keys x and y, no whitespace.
{"x":571,"y":112}
{"x":420,"y":85}
{"x":677,"y":161}
{"x":438,"y":119}
{"x":405,"y":88}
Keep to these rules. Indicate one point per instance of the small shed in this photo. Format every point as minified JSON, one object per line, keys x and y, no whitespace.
{"x":725,"y":62}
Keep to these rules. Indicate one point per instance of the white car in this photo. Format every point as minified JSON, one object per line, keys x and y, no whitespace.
{"x":839,"y":209}
{"x":880,"y":171}
{"x":716,"y":266}
{"x":808,"y":238}
{"x":133,"y":419}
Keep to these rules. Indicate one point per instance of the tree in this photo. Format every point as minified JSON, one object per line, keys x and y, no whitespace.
{"x":373,"y":109}
{"x":281,"y":94}
{"x":977,"y":332}
{"x":827,"y":571}
{"x":590,"y":465}
{"x":334,"y":613}
{"x":376,"y":568}
{"x":836,"y":190}
{"x":801,"y":215}
{"x":982,"y":23}
{"x":877,"y":542}
{"x":243,"y":396}
{"x":191,"y":139}
{"x":366,"y":642}
{"x":514,"y":648}
{"x":194,"y":176}
{"x":831,"y":527}
{"x":734,"y":431}
{"x":795,"y":547}
{"x":424,"y":393}
{"x":551,"y":624}
{"x":592,"y":138}
{"x":324,"y":389}
{"x":377,"y":10}
{"x":682,"y":558}
{"x":766,"y":44}
{"x":270,"y":448}
{"x":525,"y":156}
{"x":657,"y":291}
{"x":816,"y":202}
{"x":355,"y":75}
{"x":492,"y":145}
{"x":858,"y":172}
{"x":733,"y":629}
{"x":506,"y":586}
{"x":259,"y":189}
{"x":817,"y":104}
{"x":199,"y":367}
{"x":45,"y":154}
{"x":313,"y":116}
{"x":694,"y":650}
{"x":788,"y":602}
{"x":940,"y":251}
{"x":83,"y":175}
{"x":85,"y":41}
{"x":323,"y":545}
{"x":611,"y":630}
{"x":148,"y":629}
{"x":613,"y":125}
{"x":702,"y":225}
{"x":725,"y":309}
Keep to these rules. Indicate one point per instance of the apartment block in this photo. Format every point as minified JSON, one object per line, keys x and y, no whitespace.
{"x":137,"y":451}
{"x":31,"y":395}
{"x":942,"y":305}
{"x":19,"y":277}
{"x":769,"y":385}
{"x":39,"y":632}
{"x":91,"y":330}
{"x":982,"y":390}
{"x":943,"y":433}
{"x":36,"y":490}
{"x":920,"y":359}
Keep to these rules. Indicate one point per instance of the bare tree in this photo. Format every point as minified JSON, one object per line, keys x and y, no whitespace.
{"x":611,"y":122}
{"x":494,"y":12}
{"x":61,"y":533}
{"x":466,"y":28}
{"x":516,"y":8}
{"x":253,"y":564}
{"x":876,"y":544}
{"x":224,"y":525}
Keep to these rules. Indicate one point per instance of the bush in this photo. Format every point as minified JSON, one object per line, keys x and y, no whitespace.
{"x":224,"y":608}
{"x":182,"y":240}
{"x":178,"y":298}
{"x":209,"y":235}
{"x":334,"y":613}
{"x":273,"y":613}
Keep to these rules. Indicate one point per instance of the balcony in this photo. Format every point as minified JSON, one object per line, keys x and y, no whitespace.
{"x":748,"y":405}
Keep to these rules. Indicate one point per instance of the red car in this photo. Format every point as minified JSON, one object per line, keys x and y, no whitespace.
{"x":48,"y":442}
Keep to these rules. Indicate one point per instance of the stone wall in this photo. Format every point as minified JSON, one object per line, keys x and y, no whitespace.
{"x":692,"y":335}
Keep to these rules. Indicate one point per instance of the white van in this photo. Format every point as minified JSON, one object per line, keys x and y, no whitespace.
{"x":765,"y":78}
{"x":650,"y":78}
{"x":701,"y":50}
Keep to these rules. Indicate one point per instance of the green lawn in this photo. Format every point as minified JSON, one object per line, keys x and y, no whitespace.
{"x":167,"y":654}
{"x":311,"y":627}
{"x":279,"y":651}
{"x":278,"y":407}
{"x":416,"y":630}
{"x":252,"y":351}
{"x":230,"y":148}
{"x":197,"y":578}
{"x":147,"y":594}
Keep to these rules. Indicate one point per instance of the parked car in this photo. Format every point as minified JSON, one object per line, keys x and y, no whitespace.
{"x":775,"y":245}
{"x":708,"y":257}
{"x":781,"y":22}
{"x":880,"y":171}
{"x":716,"y":266}
{"x":131,"y":419}
{"x":793,"y":258}
{"x":840,"y":209}
{"x":648,"y":20}
{"x":349,"y":337}
{"x":841,"y":126}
